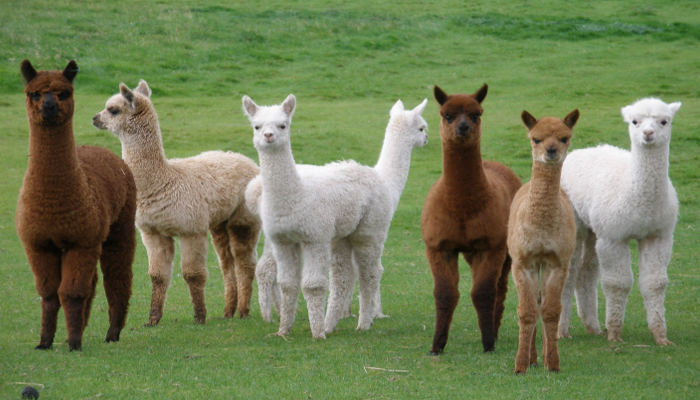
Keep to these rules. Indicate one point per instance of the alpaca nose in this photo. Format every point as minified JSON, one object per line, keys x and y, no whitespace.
{"x":648,"y":132}
{"x":49,"y":109}
{"x":269,"y":137}
{"x":463,"y":128}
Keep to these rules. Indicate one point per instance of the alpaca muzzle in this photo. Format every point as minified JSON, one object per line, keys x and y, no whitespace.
{"x":463,"y":129}
{"x":97,"y":122}
{"x":49,"y":109}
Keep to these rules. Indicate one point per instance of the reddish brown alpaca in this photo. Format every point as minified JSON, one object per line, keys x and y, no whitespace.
{"x":77,"y":206}
{"x":466,"y":212}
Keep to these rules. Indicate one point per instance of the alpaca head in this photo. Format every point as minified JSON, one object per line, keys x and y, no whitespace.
{"x":271,"y":124}
{"x":461,"y":116}
{"x":650,"y":122}
{"x":409,"y":123}
{"x":128,"y":112}
{"x":550,"y":137}
{"x":49,"y":94}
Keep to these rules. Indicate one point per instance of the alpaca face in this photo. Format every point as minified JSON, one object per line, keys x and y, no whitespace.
{"x":125,"y":113}
{"x":49,"y":94}
{"x":550,"y":137}
{"x":411,"y":122}
{"x":271,"y":124}
{"x":461,"y":116}
{"x":650,"y":122}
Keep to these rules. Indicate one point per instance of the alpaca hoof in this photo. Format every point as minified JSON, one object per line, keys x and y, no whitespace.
{"x":564,"y":334}
{"x":43,"y":347}
{"x":320,"y":336}
{"x":200,"y":320}
{"x":594,"y":331}
{"x":664,"y":342}
{"x":435,"y":352}
{"x":614,"y":337}
{"x":363,"y":327}
{"x":75,"y":347}
{"x":381,"y":315}
{"x":520,"y":371}
{"x":553,"y":369}
{"x":244,"y":314}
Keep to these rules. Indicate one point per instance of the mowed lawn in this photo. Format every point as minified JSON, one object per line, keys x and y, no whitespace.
{"x":348,"y":64}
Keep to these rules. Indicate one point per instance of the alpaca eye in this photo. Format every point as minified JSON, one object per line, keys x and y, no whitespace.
{"x":475,"y":118}
{"x":35,"y":96}
{"x":113,"y":111}
{"x":634,"y":121}
{"x":537,"y":141}
{"x":565,"y":140}
{"x":422,"y":129}
{"x":448,"y":118}
{"x":257,"y":127}
{"x":663,"y":122}
{"x":282,"y":127}
{"x":64,"y":95}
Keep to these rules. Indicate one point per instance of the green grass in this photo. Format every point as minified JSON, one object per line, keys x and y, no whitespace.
{"x":347,"y":64}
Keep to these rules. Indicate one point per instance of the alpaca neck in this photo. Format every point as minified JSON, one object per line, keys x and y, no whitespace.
{"x":543,"y":197}
{"x":649,"y":181}
{"x":280,"y":180}
{"x":143,"y":153}
{"x":394,"y":162}
{"x":53,"y":160}
{"x":463,"y":170}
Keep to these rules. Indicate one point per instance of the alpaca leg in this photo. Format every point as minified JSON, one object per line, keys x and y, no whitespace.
{"x":46,"y":267}
{"x":314,"y":284}
{"x":222,"y":245}
{"x":587,"y":286}
{"x":116,"y":263}
{"x":553,"y":281}
{"x":567,"y":295}
{"x":78,"y":270}
{"x":444,"y":267}
{"x":161,"y":252}
{"x":617,"y":280}
{"x":527,"y":282}
{"x":266,"y":274}
{"x":288,"y":256}
{"x":244,"y":231}
{"x":501,"y":292}
{"x":486,"y":270}
{"x":193,"y":252}
{"x":342,"y":281}
{"x":654,"y":257}
{"x":368,"y":256}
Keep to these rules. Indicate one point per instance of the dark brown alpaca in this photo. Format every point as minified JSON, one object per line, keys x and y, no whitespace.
{"x":76,"y":207}
{"x":466,"y":212}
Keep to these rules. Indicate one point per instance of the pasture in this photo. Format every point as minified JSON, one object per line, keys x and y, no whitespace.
{"x":347,"y":64}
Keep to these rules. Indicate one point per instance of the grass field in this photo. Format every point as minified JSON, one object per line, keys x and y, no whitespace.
{"x":348,"y":64}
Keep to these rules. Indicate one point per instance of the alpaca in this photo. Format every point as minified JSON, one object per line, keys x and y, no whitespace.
{"x":76,"y":207}
{"x":541,"y":239}
{"x":620,"y":196}
{"x":405,"y":131}
{"x":185,"y":198}
{"x":317,"y":213}
{"x":466,"y":211}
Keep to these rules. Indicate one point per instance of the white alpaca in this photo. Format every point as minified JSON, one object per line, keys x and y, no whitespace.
{"x":323,"y":216}
{"x":186,"y":198}
{"x":620,"y":196}
{"x":405,"y":131}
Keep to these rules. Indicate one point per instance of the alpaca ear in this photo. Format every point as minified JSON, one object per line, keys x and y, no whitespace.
{"x":528,"y":120}
{"x":440,"y":96}
{"x":71,"y":70}
{"x":143,"y":89}
{"x":626,"y":114}
{"x":480,"y":94}
{"x":397,"y":108}
{"x":28,"y":71}
{"x":571,"y":119}
{"x":289,"y":104}
{"x":674,"y":107}
{"x":420,"y":108}
{"x":127,"y":93}
{"x":249,"y":107}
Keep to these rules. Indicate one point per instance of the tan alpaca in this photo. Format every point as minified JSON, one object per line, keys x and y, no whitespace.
{"x":186,"y":198}
{"x":541,"y":239}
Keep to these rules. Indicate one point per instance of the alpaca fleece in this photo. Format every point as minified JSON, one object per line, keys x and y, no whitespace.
{"x":76,"y":207}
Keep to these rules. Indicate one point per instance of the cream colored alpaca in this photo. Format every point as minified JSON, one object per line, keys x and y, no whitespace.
{"x":541,"y":239}
{"x":186,"y":198}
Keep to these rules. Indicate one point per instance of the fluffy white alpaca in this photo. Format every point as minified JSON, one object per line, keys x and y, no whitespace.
{"x":313,"y":213}
{"x":186,"y":198}
{"x":620,"y":196}
{"x":405,"y":131}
